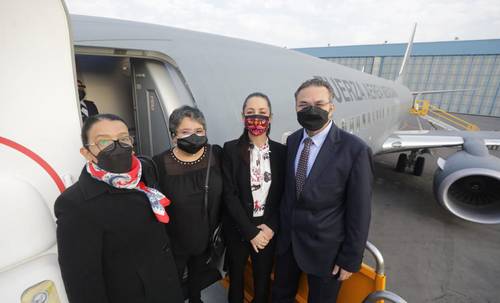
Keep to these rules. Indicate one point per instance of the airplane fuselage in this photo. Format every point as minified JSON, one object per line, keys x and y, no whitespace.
{"x":220,"y":72}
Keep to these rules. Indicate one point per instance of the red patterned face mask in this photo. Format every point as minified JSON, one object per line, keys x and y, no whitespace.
{"x":257,"y":124}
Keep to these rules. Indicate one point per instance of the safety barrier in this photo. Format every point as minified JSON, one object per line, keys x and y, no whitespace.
{"x":423,"y":109}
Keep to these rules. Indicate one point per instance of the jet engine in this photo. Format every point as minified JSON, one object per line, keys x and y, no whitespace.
{"x":467,"y":184}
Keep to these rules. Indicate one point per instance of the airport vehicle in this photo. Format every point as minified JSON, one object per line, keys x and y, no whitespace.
{"x":142,"y":72}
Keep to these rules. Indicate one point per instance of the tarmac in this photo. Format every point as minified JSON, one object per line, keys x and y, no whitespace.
{"x":430,"y":255}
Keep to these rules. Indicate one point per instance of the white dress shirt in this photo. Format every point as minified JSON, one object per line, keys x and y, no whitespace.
{"x":317,"y":142}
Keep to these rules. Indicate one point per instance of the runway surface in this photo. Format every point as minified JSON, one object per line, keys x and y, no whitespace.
{"x":430,"y":255}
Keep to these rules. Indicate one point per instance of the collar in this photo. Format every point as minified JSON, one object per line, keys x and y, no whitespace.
{"x":264,"y":147}
{"x":320,"y":137}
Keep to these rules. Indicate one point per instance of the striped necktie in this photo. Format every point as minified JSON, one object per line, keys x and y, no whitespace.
{"x":301,"y":175}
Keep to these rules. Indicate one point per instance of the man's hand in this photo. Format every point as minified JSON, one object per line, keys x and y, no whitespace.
{"x":267,"y":231}
{"x":344,"y":274}
{"x":260,"y":241}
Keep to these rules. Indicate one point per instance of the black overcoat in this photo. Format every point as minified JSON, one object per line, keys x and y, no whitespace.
{"x":237,"y":191}
{"x":111,"y":247}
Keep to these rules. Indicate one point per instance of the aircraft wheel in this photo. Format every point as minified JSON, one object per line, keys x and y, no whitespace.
{"x":418,"y":169}
{"x":402,"y":163}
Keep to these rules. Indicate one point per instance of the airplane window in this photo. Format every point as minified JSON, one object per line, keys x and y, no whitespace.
{"x":351,"y":125}
{"x":343,"y":124}
{"x":358,"y":123}
{"x":364,"y":120}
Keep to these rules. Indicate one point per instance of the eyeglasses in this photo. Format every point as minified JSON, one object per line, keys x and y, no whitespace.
{"x":318,"y":104}
{"x":102,"y":144}
{"x":187,"y":133}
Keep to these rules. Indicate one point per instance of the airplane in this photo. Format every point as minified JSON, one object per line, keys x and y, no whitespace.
{"x":142,"y":72}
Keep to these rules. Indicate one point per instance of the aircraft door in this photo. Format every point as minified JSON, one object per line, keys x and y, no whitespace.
{"x":152,"y":134}
{"x":159,"y":88}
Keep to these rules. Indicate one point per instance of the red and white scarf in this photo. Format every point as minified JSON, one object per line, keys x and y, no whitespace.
{"x":132,"y":180}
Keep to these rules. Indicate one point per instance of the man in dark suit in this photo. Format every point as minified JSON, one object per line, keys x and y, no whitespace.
{"x":87,"y":107}
{"x":326,"y":208}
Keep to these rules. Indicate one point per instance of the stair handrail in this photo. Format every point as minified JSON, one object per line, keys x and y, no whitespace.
{"x":383,"y":295}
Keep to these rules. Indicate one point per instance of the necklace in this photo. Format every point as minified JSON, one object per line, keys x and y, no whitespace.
{"x":189,"y":162}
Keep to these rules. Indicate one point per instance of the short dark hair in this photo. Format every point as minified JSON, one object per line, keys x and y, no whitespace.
{"x":316,"y":82}
{"x":185,"y":112}
{"x":257,"y":94}
{"x":90,"y":121}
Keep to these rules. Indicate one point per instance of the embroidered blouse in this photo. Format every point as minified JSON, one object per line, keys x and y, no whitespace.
{"x":260,"y":177}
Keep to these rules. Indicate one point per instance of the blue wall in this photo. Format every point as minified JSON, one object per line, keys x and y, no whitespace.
{"x":466,"y":47}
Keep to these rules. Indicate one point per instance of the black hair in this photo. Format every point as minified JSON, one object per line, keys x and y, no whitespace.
{"x":90,"y":121}
{"x":316,"y":82}
{"x":257,"y":94}
{"x":185,"y":112}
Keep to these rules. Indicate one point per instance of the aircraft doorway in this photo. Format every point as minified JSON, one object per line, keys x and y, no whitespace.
{"x":151,"y":119}
{"x":143,"y":92}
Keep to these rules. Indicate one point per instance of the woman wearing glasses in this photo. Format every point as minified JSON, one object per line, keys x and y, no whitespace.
{"x":183,"y":171}
{"x":110,"y":225}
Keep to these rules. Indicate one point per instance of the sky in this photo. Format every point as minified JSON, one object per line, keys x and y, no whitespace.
{"x":296,"y":23}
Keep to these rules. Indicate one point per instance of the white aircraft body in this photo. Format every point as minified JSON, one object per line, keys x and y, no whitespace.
{"x":142,"y":72}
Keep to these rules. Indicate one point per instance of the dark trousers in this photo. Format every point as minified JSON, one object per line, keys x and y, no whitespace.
{"x":286,"y":282}
{"x":238,"y":251}
{"x":194,"y":266}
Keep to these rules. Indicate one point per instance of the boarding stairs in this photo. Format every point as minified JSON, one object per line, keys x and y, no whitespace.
{"x":436,"y":116}
{"x":368,"y":285}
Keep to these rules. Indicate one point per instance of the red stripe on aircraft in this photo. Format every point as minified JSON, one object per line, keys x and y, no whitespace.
{"x":46,"y":166}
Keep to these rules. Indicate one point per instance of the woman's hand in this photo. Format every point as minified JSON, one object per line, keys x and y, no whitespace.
{"x":267,"y":231}
{"x":260,"y":241}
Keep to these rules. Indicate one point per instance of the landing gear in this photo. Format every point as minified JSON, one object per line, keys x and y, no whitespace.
{"x":413,"y":161}
{"x":402,"y":163}
{"x":418,"y":168}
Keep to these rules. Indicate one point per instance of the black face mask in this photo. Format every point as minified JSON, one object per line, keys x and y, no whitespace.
{"x":192,"y":144}
{"x":312,"y":117}
{"x":81,"y":94}
{"x":117,"y":160}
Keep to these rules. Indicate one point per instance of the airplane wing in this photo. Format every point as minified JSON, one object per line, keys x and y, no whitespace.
{"x":419,"y":139}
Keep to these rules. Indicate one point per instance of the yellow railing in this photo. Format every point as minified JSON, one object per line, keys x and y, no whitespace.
{"x":420,"y":107}
{"x":356,"y":289}
{"x":424,"y":107}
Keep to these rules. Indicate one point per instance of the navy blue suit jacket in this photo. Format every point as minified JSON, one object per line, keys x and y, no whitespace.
{"x":329,"y":223}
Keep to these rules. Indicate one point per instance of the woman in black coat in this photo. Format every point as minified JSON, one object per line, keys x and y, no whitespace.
{"x":111,"y":238}
{"x":183,"y":171}
{"x":254,"y":170}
